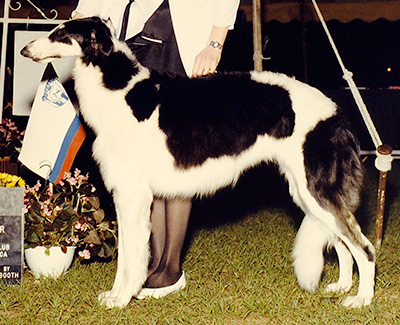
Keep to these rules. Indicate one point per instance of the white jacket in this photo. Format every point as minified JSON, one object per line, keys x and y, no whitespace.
{"x":192,"y":20}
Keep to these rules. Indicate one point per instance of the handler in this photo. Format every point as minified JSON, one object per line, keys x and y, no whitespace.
{"x":176,"y":37}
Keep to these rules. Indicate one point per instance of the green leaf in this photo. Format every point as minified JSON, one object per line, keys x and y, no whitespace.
{"x":34,"y":214}
{"x":92,"y":238}
{"x":67,"y":212}
{"x":98,"y":215}
{"x":106,"y":251}
{"x":34,"y":234}
{"x":94,"y":201}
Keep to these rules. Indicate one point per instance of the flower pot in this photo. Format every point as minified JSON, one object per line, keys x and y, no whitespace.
{"x":49,"y":262}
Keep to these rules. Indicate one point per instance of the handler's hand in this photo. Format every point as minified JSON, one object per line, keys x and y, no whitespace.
{"x":78,"y":15}
{"x":206,"y":61}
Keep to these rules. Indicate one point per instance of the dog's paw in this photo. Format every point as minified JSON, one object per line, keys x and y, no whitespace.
{"x":108,"y":300}
{"x":356,"y":302}
{"x":309,"y":285}
{"x":338,"y":287}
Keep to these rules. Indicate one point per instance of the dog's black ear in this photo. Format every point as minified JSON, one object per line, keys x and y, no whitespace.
{"x":105,"y":44}
{"x":101,"y":42}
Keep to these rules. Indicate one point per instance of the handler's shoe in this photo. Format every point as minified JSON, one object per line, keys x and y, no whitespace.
{"x":162,"y":292}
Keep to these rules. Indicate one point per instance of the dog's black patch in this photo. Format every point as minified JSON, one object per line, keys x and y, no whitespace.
{"x":334,"y":173}
{"x":370,"y":255}
{"x":118,"y":71}
{"x":143,"y":98}
{"x":332,"y":162}
{"x":60,"y":35}
{"x":220,"y":115}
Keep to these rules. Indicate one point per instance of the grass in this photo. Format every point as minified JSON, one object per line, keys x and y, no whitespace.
{"x":239,"y":272}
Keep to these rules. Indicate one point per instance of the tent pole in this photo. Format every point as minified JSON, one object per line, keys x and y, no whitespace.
{"x":257,"y":43}
{"x":303,"y":40}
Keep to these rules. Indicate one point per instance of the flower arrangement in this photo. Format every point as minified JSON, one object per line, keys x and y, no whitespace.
{"x":7,"y":180}
{"x":10,"y":139}
{"x":68,"y":214}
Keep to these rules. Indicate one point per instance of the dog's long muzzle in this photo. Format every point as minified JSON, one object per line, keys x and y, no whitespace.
{"x":25,"y":51}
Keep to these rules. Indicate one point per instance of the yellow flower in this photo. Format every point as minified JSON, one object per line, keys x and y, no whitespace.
{"x":8,"y":180}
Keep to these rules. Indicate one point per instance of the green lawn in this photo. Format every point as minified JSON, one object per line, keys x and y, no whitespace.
{"x":238,"y":273}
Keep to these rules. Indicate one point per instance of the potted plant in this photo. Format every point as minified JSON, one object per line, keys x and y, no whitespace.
{"x":10,"y":146}
{"x":61,"y":218}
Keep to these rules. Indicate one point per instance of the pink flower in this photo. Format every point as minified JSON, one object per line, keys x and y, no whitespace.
{"x":81,"y":226}
{"x":45,"y":209}
{"x":84,"y":254}
{"x":77,"y":172}
{"x":72,"y":181}
{"x":72,"y":240}
{"x":33,"y":189}
{"x":49,"y":192}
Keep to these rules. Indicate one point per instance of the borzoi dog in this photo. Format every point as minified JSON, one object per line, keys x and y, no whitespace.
{"x":184,"y":137}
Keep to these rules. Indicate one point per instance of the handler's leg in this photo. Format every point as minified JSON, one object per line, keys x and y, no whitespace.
{"x":169,"y":269}
{"x":158,"y":233}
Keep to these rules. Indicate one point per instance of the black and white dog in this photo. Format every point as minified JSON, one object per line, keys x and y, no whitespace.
{"x":190,"y":137}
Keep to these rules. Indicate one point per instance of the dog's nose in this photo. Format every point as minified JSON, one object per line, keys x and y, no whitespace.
{"x":25,"y":52}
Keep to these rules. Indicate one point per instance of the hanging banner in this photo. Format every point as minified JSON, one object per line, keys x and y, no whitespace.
{"x":54,"y":132}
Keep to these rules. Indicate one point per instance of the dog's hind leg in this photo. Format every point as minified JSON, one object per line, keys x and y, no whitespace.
{"x":327,"y":188}
{"x":364,"y":255}
{"x":359,"y":246}
{"x":133,"y":217}
{"x":345,"y":269}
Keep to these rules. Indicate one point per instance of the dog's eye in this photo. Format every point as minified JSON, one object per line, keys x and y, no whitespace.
{"x":61,"y":36}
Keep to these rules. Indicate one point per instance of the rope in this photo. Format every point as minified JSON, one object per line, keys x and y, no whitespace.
{"x":348,"y":76}
{"x":258,"y":55}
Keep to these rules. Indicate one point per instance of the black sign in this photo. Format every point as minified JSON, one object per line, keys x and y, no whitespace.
{"x":11,"y":234}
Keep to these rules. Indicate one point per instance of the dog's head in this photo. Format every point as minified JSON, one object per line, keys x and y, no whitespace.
{"x":87,"y":37}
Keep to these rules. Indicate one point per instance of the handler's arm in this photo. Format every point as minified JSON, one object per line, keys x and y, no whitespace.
{"x":207,"y":60}
{"x":224,"y":16}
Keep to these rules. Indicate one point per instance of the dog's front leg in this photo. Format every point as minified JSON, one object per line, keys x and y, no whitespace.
{"x":133,"y":217}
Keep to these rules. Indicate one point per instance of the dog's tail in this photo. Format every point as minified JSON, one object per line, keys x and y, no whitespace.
{"x":308,"y":257}
{"x":334,"y":175}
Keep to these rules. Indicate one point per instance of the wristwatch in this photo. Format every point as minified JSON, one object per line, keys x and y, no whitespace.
{"x":215,"y":44}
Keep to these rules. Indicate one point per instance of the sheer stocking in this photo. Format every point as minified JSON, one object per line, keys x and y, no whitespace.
{"x":169,"y":224}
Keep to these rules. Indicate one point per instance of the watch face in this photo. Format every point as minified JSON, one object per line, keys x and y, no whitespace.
{"x":216,"y":45}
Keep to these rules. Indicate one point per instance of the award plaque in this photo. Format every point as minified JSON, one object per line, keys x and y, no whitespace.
{"x":11,"y":234}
